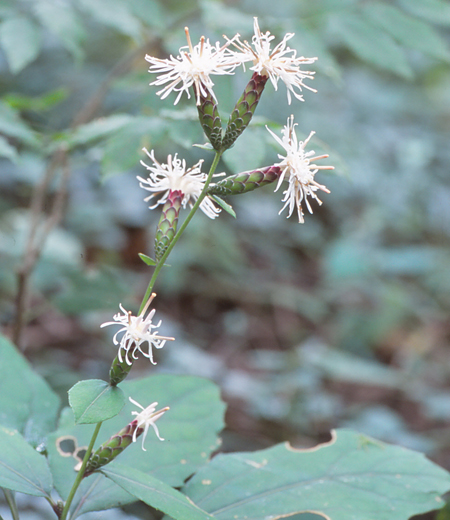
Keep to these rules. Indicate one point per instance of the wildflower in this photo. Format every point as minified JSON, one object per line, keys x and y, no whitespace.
{"x":137,"y":330}
{"x":279,"y":63}
{"x":115,"y":445}
{"x":166,"y":178}
{"x":145,"y":419}
{"x":193,"y":67}
{"x":298,"y":169}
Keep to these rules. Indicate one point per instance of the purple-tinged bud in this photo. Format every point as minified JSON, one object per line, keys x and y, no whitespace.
{"x":245,"y":108}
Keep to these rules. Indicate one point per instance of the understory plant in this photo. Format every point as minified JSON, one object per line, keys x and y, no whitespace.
{"x":152,"y":439}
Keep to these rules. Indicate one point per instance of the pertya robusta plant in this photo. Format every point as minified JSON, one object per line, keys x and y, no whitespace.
{"x":350,"y":477}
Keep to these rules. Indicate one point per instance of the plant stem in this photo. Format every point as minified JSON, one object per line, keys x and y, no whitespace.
{"x":80,"y":473}
{"x":180,"y":231}
{"x":10,"y":499}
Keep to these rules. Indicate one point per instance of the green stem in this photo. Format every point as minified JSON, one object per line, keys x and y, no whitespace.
{"x":80,"y":473}
{"x":10,"y":499}
{"x":161,"y":262}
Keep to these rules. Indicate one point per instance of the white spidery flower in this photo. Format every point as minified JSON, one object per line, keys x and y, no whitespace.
{"x":281,"y":62}
{"x":166,"y":178}
{"x":136,"y":331}
{"x":299,"y":170}
{"x":146,"y":418}
{"x":193,"y":67}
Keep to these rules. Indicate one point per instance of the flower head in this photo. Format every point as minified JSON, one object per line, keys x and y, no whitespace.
{"x":136,"y":331}
{"x":281,"y":62}
{"x":298,"y":169}
{"x":145,"y":419}
{"x":166,"y":178}
{"x":193,"y":67}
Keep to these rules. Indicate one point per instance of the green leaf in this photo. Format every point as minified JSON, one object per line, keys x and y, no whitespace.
{"x":226,"y":207}
{"x":98,"y":129}
{"x":36,"y":103}
{"x":407,"y":30}
{"x":206,"y":146}
{"x":352,"y":477}
{"x":21,"y":42}
{"x":115,"y":14}
{"x":29,"y":407}
{"x":6,"y":150}
{"x":61,"y":19}
{"x":22,"y":468}
{"x":124,"y":150}
{"x":146,"y":259}
{"x":154,"y":492}
{"x":12,"y":125}
{"x":190,"y":428}
{"x":436,"y":11}
{"x":371,"y":44}
{"x":94,"y":400}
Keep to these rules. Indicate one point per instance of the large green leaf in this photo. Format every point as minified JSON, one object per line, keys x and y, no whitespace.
{"x":437,"y":11}
{"x":22,"y":468}
{"x":94,"y":400}
{"x":11,"y":125}
{"x":20,"y":39}
{"x":155,"y":493}
{"x":190,"y":428}
{"x":353,"y":477}
{"x":61,"y":19}
{"x":370,"y":44}
{"x":98,"y":129}
{"x":407,"y":30}
{"x":27,"y":403}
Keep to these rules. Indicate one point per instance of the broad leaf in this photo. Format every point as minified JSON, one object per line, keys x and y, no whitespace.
{"x":12,"y":126}
{"x":352,"y":477}
{"x":30,"y":407}
{"x":94,"y":400}
{"x":372,"y":45}
{"x":115,"y":14}
{"x":407,"y":30}
{"x":6,"y":150}
{"x":61,"y":19}
{"x":98,"y":129}
{"x":22,"y":468}
{"x":436,"y":11}
{"x":20,"y":39}
{"x":190,"y":428}
{"x":155,"y":493}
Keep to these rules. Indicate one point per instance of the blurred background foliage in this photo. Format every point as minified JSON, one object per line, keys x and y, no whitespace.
{"x":342,"y":321}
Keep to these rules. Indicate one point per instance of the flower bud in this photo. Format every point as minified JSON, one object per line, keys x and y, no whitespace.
{"x":208,"y":113}
{"x":167,"y":225}
{"x":245,"y":181}
{"x":245,"y":108}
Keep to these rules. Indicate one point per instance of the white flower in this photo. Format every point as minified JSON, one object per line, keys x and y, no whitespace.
{"x":279,"y":63}
{"x":194,"y":67}
{"x":137,"y":330}
{"x":147,"y":418}
{"x":165,"y":178}
{"x":298,"y":169}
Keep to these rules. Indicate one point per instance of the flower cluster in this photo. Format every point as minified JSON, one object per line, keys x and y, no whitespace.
{"x":196,"y":64}
{"x":173,"y":176}
{"x":136,"y":331}
{"x":298,"y":169}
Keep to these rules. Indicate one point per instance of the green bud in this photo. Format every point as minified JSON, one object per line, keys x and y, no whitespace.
{"x":208,"y":113}
{"x":167,"y":225}
{"x":243,"y":111}
{"x":119,"y":371}
{"x":245,"y":181}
